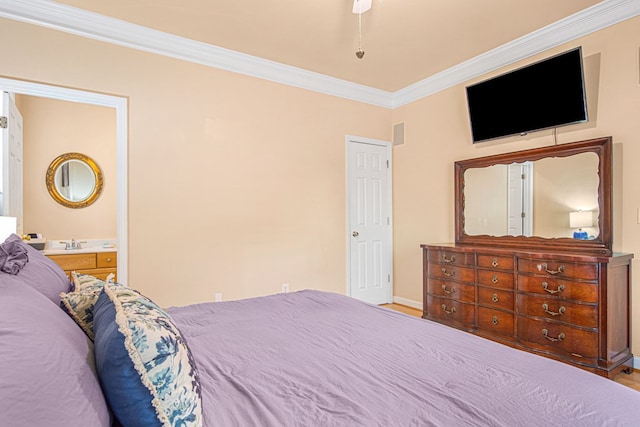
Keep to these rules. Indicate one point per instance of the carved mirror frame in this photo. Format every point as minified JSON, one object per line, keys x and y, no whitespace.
{"x":53,"y":190}
{"x":602,"y":147}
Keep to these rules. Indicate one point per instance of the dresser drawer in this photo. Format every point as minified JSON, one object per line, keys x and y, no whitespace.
{"x":451,"y":257}
{"x":495,"y":298}
{"x":451,"y":289}
{"x":558,"y":269}
{"x":496,"y":321}
{"x":559,"y":310}
{"x":558,"y":338}
{"x":451,"y":311}
{"x":107,"y":259}
{"x":496,"y":279}
{"x":452,"y":272}
{"x":579,"y":291}
{"x":495,"y":262}
{"x":75,"y":261}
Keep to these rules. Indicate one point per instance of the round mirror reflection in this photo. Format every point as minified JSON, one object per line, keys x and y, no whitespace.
{"x":74,"y":180}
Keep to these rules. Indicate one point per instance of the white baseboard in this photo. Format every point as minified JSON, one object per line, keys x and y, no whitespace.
{"x":636,"y":362}
{"x":407,"y":302}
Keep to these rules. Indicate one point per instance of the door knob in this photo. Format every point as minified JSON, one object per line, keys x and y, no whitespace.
{"x":355,"y":234}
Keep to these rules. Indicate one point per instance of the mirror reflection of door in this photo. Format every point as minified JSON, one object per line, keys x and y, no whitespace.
{"x":75,"y":180}
{"x":520,"y":199}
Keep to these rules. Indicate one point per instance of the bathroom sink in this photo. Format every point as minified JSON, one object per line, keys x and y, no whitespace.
{"x":60,"y":247}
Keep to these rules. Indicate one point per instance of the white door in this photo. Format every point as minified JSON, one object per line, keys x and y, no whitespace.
{"x":520,"y":218}
{"x":370,"y":254}
{"x":11,"y":184}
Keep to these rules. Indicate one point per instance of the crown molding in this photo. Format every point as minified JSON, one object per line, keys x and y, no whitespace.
{"x":88,"y":24}
{"x":594,"y":18}
{"x":83,"y":23}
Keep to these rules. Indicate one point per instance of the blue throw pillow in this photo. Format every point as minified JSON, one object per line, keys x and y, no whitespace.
{"x":146,"y":369}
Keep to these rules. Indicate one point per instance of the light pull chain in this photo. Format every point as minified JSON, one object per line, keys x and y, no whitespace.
{"x":360,"y":52}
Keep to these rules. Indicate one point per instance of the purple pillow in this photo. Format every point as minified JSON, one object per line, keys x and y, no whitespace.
{"x":47,"y":365}
{"x":13,"y":256}
{"x":41,"y":273}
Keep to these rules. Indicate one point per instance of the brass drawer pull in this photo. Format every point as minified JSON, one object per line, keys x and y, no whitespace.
{"x":452,"y":259}
{"x":444,"y":308}
{"x":546,"y":335}
{"x":494,"y":262}
{"x":448,"y":273}
{"x":545,"y":267}
{"x":448,"y":291}
{"x":494,"y":298}
{"x":560,"y":311}
{"x":108,"y":259}
{"x":494,"y":320}
{"x":494,"y":279}
{"x":545,"y":285}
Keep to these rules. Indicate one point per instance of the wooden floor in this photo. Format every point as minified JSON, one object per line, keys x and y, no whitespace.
{"x":632,"y":380}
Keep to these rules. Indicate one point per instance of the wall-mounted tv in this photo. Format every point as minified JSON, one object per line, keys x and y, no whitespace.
{"x":547,"y":94}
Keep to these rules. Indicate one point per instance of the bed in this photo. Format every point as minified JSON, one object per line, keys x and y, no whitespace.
{"x":307,"y":358}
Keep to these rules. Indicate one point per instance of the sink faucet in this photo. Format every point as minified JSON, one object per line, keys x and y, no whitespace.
{"x":72,"y":245}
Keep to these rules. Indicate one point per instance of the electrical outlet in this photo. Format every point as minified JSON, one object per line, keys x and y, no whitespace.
{"x":285,"y":288}
{"x":217,"y":297}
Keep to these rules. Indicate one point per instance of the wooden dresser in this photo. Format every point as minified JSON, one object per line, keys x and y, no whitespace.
{"x":572,"y":307}
{"x":97,"y":264}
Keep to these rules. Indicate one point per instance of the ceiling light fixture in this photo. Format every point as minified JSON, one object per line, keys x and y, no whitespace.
{"x":359,"y":7}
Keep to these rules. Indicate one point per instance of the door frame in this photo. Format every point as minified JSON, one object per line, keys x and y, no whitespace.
{"x":350,"y":140}
{"x":121,"y":106}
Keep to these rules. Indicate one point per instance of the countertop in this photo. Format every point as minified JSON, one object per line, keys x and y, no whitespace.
{"x":86,"y":250}
{"x":57,"y":247}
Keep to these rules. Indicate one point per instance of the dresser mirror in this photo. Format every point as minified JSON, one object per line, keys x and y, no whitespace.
{"x":74,"y":180}
{"x":551,"y":197}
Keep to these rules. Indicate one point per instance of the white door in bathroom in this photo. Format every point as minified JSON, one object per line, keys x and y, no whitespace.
{"x":369,"y":220}
{"x":11,"y":181}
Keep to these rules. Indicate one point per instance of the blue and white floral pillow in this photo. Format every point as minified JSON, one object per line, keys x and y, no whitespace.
{"x":146,"y":369}
{"x":79,"y":303}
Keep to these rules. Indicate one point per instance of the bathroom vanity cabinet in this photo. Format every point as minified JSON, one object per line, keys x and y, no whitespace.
{"x":98,"y":264}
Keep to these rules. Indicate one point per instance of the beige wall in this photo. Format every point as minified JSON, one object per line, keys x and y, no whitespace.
{"x":236,"y":185}
{"x":54,"y":127}
{"x":438,"y":133}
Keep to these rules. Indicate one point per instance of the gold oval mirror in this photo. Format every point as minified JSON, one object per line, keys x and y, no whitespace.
{"x":74,"y":180}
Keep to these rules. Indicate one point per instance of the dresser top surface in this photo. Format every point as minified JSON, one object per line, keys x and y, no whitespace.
{"x":529,"y":253}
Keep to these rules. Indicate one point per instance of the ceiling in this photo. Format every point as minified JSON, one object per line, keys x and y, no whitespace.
{"x":405,"y":41}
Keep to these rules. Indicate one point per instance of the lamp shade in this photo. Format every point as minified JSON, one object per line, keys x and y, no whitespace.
{"x":580,"y":219}
{"x":8,"y":226}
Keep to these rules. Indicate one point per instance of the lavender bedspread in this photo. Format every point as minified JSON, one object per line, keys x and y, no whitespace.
{"x":312,"y":358}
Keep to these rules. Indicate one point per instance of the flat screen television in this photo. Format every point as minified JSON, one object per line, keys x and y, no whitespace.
{"x":547,"y":94}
